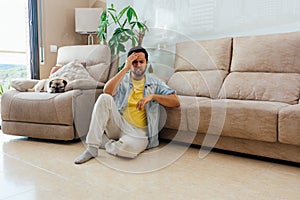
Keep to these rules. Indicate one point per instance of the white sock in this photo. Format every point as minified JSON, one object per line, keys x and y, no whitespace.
{"x":89,"y":153}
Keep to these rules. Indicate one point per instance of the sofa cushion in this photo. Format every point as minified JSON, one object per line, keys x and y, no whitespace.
{"x":289,"y":125}
{"x":48,"y":108}
{"x":203,"y":55}
{"x":254,"y":120}
{"x":197,"y":83}
{"x":267,"y":53}
{"x":177,"y":117}
{"x":279,"y":87}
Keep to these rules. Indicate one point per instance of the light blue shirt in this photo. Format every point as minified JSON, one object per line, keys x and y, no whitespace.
{"x":153,"y":85}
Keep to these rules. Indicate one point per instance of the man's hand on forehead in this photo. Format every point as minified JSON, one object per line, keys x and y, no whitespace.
{"x":135,"y":56}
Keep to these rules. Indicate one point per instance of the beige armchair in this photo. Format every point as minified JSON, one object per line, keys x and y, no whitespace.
{"x":59,"y":116}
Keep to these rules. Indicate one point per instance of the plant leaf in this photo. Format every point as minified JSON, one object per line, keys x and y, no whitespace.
{"x":111,"y":9}
{"x":129,"y":14}
{"x":132,"y":25}
{"x":121,"y":48}
{"x":124,"y":38}
{"x":103,"y":16}
{"x":140,"y":25}
{"x":150,"y":69}
{"x":112,"y":45}
{"x":1,"y":89}
{"x":124,"y":23}
{"x":129,"y":32}
{"x":133,"y":42}
{"x":122,"y":12}
{"x":133,"y":13}
{"x":118,"y":31}
{"x":110,"y":42}
{"x":102,"y":36}
{"x":113,"y":17}
{"x":121,"y":67}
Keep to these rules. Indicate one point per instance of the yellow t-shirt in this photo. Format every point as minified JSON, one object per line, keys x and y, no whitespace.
{"x":131,"y":114}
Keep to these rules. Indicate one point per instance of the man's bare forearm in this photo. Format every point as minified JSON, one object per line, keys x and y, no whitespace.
{"x":170,"y":100}
{"x":111,"y":85}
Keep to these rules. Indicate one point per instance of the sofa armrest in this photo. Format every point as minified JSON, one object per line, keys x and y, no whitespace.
{"x":23,"y":85}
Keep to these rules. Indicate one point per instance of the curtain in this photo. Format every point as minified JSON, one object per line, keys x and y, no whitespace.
{"x":33,"y":39}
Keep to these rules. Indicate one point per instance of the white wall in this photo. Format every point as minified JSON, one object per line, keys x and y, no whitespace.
{"x":171,"y":21}
{"x":205,"y":19}
{"x":201,"y":19}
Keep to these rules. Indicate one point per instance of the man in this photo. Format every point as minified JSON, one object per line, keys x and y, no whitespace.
{"x":126,"y":116}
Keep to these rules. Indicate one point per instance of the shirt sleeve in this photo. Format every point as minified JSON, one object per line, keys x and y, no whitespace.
{"x":119,"y":91}
{"x":163,"y":88}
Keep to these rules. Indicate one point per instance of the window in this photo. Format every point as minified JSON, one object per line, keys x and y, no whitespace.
{"x":13,"y":41}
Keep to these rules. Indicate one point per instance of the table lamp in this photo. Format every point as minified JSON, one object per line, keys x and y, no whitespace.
{"x":86,"y":21}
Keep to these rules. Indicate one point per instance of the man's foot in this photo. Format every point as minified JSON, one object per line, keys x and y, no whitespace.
{"x":90,"y":153}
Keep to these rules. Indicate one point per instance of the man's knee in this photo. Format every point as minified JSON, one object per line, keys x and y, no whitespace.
{"x":124,"y":148}
{"x":104,"y":99}
{"x":117,"y":148}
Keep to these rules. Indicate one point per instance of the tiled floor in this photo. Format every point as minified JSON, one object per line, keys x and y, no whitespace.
{"x":35,"y":169}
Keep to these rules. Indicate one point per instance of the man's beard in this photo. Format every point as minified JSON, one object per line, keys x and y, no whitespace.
{"x":138,"y":75}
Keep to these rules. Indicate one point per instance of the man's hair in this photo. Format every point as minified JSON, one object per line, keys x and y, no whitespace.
{"x":137,"y":50}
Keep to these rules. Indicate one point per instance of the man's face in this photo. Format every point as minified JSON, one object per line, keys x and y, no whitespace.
{"x":139,"y":66}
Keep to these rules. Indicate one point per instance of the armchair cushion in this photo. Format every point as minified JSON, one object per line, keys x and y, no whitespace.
{"x":96,"y":57}
{"x":99,"y":72}
{"x":77,"y":75}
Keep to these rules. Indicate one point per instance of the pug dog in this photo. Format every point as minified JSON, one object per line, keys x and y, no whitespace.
{"x":54,"y":85}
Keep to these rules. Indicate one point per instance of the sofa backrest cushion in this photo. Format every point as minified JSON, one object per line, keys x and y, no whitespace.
{"x":96,"y":57}
{"x":200,"y":67}
{"x":203,"y":55}
{"x":197,"y":83}
{"x":279,"y":53}
{"x":265,"y":68}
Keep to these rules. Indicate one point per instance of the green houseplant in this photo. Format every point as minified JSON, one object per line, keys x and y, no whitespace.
{"x":3,"y":89}
{"x":128,"y":28}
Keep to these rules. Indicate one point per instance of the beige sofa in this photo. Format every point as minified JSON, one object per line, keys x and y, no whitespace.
{"x":239,"y":94}
{"x":59,"y":116}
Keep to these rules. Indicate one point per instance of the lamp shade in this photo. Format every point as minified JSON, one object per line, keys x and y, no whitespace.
{"x":87,"y":19}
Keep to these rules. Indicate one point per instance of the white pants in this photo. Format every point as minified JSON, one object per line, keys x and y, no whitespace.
{"x":109,"y":130}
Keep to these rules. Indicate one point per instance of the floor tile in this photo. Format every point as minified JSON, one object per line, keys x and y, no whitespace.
{"x":41,"y":169}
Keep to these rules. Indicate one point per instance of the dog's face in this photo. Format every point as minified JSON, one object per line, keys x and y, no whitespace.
{"x":57,"y":85}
